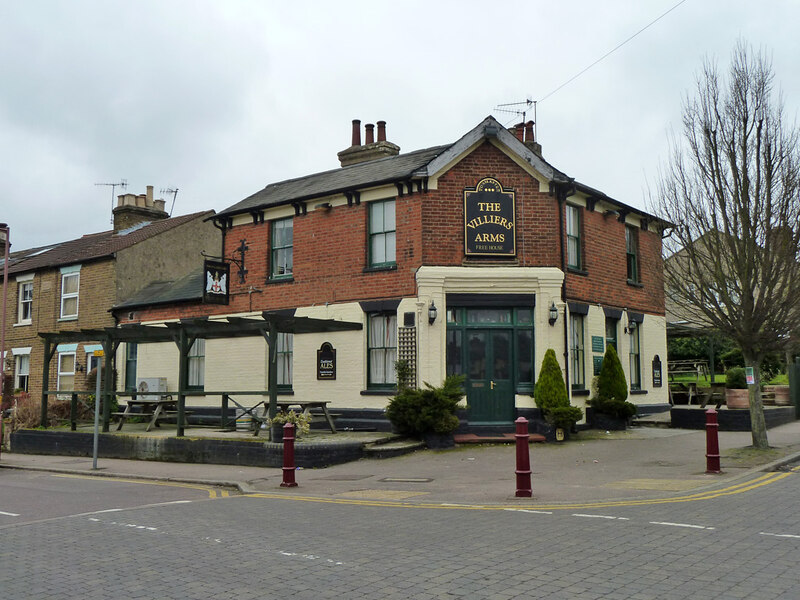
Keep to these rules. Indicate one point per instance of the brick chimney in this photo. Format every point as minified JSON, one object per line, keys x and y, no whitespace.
{"x":524,"y":133}
{"x":371,"y":150}
{"x":132,"y":210}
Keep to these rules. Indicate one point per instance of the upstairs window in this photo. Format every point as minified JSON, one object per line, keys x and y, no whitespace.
{"x":25,"y":306}
{"x":632,"y":253}
{"x":281,"y":252}
{"x":381,"y":234}
{"x":70,"y":285}
{"x":574,"y":237}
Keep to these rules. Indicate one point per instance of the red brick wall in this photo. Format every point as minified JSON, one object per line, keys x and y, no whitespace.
{"x":330,"y":248}
{"x":606,"y":267}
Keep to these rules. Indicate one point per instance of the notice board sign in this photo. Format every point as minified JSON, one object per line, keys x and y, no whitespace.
{"x":656,"y":371}
{"x":489,"y":220}
{"x":326,"y":362}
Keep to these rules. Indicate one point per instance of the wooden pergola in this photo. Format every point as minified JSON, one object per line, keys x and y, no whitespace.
{"x":184,"y":333}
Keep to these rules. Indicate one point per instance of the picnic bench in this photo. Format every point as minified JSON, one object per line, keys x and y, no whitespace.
{"x":156,"y":409}
{"x":259,"y":417}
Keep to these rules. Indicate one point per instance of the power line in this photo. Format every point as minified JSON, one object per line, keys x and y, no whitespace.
{"x":610,"y":52}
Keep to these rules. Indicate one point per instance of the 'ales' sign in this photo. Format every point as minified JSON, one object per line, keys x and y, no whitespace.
{"x":489,"y":220}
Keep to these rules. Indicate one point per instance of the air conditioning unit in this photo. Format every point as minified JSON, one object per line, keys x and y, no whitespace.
{"x":155,"y":385}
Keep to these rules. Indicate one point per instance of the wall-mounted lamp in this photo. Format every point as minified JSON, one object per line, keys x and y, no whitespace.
{"x":79,"y":368}
{"x":631,"y":326}
{"x":432,"y":312}
{"x":553,"y":315}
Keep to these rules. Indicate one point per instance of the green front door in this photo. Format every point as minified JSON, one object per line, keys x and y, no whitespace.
{"x":490,"y":375}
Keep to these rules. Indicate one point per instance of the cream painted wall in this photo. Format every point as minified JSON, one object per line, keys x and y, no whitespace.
{"x":652,"y":342}
{"x":434,"y":283}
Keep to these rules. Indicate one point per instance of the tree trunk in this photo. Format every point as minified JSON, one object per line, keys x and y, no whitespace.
{"x":758,"y":426}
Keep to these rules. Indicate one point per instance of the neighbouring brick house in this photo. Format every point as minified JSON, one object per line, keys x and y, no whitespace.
{"x":473,"y":257}
{"x":72,"y":285}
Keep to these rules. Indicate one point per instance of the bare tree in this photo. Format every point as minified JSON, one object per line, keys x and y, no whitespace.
{"x":731,"y":189}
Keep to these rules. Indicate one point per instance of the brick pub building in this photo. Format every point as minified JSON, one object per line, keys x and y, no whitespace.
{"x":473,"y":257}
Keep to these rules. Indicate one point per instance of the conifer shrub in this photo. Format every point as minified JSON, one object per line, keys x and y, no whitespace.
{"x":612,"y":388}
{"x":551,"y":397}
{"x":417,"y":412}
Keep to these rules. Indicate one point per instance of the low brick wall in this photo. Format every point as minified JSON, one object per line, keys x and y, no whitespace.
{"x":729,"y":420}
{"x":173,"y":449}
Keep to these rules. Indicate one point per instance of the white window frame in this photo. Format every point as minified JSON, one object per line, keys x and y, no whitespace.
{"x":24,"y":282}
{"x":67,"y":273}
{"x":382,"y":233}
{"x":574,"y":242}
{"x":21,"y":355}
{"x":61,"y":373}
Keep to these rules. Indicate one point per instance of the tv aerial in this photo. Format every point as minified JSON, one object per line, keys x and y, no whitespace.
{"x":174,"y":192}
{"x":521,"y":109}
{"x":123,"y":183}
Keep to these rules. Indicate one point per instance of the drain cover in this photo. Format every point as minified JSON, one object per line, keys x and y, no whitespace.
{"x":406,"y":480}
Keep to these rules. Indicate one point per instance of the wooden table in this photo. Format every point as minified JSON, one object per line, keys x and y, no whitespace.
{"x":306,"y":406}
{"x":156,"y":409}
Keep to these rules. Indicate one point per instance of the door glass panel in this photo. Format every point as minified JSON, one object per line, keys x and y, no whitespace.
{"x":489,"y":315}
{"x":501,"y":343}
{"x":477,"y":355}
{"x":454,"y":354}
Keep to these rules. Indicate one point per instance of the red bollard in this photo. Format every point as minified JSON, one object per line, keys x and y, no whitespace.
{"x":288,"y":456}
{"x":712,"y":442}
{"x":523,"y":459}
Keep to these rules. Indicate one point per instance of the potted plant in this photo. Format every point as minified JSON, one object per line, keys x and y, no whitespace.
{"x":301,"y":422}
{"x":428,"y":413}
{"x":610,"y":409}
{"x":550,"y":395}
{"x":736,"y":393}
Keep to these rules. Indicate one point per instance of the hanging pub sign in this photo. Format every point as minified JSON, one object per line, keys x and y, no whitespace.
{"x":326,"y":362}
{"x":489,"y":220}
{"x":216,"y":275}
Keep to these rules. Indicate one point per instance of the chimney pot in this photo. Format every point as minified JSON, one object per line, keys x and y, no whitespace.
{"x":356,"y":132}
{"x":529,"y":132}
{"x":370,"y":137}
{"x":519,"y":131}
{"x":381,"y":131}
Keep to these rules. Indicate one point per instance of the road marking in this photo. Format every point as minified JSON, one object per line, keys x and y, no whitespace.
{"x":781,"y":535}
{"x":738,"y":488}
{"x":536,"y":512}
{"x":212,"y":492}
{"x":600,"y":517}
{"x":129,"y":525}
{"x":688,"y":525}
{"x":8,"y":514}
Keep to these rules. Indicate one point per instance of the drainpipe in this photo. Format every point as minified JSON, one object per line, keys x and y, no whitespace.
{"x":6,"y":243}
{"x":563,"y":192}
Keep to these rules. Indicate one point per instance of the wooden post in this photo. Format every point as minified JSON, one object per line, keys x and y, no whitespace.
{"x":183,"y":376}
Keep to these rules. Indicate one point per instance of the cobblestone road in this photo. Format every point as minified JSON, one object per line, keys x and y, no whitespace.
{"x":740,"y":545}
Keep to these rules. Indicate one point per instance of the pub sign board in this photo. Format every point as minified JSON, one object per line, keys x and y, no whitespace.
{"x":326,"y":362}
{"x":216,"y":275}
{"x":489,"y":220}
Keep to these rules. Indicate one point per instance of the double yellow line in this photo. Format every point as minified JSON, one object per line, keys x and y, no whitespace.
{"x":738,"y":488}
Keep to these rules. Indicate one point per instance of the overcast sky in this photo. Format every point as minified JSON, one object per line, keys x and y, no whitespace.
{"x":218,"y":99}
